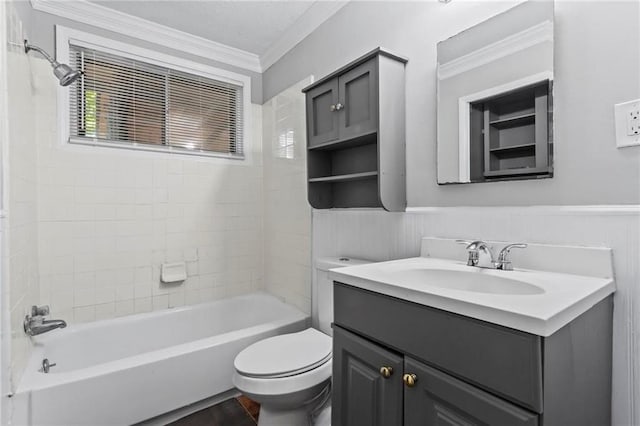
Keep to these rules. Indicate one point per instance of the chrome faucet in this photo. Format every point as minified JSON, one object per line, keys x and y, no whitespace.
{"x":35,"y":323}
{"x":480,"y":255}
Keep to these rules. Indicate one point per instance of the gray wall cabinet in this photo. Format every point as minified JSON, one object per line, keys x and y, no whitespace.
{"x":462,"y":371}
{"x":355,"y":135}
{"x":512,"y":135}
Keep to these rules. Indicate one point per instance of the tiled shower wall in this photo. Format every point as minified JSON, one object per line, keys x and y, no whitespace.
{"x":287,"y":215}
{"x":109,"y":218}
{"x":378,"y":235}
{"x":20,"y":239}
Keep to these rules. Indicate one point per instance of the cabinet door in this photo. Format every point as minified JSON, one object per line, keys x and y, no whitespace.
{"x":358,"y":100}
{"x":361,"y":394}
{"x":439,"y":399}
{"x":322,"y":116}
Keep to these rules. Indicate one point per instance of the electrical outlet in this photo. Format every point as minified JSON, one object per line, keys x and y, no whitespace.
{"x":633,"y":121}
{"x":627,"y":117}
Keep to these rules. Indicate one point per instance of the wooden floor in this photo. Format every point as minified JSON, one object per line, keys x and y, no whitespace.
{"x":240,"y":411}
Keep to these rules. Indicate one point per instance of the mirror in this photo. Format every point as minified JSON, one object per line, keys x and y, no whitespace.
{"x":495,"y":103}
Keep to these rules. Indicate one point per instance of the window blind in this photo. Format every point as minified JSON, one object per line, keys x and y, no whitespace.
{"x":120,"y":100}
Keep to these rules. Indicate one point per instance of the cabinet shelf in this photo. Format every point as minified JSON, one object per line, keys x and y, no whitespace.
{"x":517,"y":172}
{"x":519,"y":120}
{"x":363,"y":139}
{"x":345,"y":178}
{"x":515,"y":149}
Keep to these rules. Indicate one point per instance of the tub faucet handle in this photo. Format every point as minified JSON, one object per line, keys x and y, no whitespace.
{"x":46,"y":365}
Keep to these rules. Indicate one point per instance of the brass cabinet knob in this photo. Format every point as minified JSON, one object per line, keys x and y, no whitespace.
{"x":386,"y":372}
{"x":410,"y":380}
{"x":332,"y":108}
{"x":339,"y":106}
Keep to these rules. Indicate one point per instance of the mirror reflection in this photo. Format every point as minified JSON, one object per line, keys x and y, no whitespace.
{"x":495,"y":103}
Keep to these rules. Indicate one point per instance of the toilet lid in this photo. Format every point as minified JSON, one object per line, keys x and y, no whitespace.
{"x":285,"y":355}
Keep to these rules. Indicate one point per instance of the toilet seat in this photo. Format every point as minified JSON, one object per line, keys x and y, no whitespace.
{"x":309,"y":384}
{"x":286,"y":355}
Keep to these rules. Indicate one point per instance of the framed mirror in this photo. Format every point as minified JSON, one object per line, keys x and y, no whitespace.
{"x":495,"y":98}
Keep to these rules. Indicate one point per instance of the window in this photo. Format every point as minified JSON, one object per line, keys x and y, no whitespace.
{"x":131,"y":101}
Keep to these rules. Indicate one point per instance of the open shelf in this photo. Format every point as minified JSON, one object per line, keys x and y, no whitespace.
{"x":514,"y":149}
{"x":519,"y":120}
{"x":345,"y":193}
{"x":345,"y":178}
{"x":517,"y":172}
{"x":363,"y":139}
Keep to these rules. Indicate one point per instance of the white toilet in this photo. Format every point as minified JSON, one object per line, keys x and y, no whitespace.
{"x":290,"y":375}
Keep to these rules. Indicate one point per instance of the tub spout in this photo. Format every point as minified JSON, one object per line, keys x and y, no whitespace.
{"x":35,"y":323}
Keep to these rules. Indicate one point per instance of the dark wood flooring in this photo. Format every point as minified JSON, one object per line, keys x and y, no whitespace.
{"x":240,"y":411}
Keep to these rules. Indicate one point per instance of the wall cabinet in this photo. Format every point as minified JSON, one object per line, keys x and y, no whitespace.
{"x":355,"y":135}
{"x":512,"y":134}
{"x":397,"y":362}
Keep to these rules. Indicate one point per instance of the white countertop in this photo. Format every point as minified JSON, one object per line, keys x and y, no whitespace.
{"x":561,"y":298}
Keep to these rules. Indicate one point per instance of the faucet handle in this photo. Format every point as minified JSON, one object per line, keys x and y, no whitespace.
{"x":504,"y":262}
{"x":472,"y":260}
{"x":40,"y":311}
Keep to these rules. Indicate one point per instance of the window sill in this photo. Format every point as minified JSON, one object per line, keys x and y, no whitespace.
{"x":151,"y":148}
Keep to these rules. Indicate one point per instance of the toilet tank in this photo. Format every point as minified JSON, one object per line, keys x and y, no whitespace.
{"x":322,"y":297}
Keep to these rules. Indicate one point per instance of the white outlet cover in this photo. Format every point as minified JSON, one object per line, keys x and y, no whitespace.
{"x":622,"y":111}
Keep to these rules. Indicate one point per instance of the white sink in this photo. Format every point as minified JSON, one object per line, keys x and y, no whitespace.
{"x":476,"y":281}
{"x":536,"y":302}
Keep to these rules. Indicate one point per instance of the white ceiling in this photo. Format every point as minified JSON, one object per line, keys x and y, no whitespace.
{"x":252,"y":26}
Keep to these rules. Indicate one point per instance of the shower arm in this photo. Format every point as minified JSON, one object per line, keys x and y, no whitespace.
{"x":28,"y":47}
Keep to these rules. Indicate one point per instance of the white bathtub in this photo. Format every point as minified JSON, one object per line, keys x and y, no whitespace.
{"x":129,"y":369}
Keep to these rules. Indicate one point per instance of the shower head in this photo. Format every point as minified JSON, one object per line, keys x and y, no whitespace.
{"x":63,"y":72}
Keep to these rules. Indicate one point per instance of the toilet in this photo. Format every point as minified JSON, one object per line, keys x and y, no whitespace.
{"x":290,"y":374}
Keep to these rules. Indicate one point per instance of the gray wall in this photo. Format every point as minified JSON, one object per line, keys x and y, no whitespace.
{"x":25,"y":13}
{"x":597,"y":64}
{"x":42,"y":33}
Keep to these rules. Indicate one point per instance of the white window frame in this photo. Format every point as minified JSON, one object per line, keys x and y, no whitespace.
{"x":66,"y":36}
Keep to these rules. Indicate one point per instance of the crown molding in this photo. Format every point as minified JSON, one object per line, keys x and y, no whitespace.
{"x":142,"y":29}
{"x":514,"y":43}
{"x":317,"y":13}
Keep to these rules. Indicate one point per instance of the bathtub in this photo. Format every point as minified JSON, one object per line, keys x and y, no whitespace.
{"x":126,"y":370}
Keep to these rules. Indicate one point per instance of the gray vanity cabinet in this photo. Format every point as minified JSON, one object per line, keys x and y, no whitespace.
{"x":356,"y":135}
{"x":365,"y":396}
{"x":449,"y":369}
{"x":437,"y":398}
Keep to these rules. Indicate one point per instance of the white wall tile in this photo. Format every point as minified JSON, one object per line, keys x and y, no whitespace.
{"x":287,"y":215}
{"x":110,"y":218}
{"x":20,"y":272}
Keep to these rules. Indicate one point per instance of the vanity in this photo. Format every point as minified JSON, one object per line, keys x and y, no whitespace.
{"x":431,"y":340}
